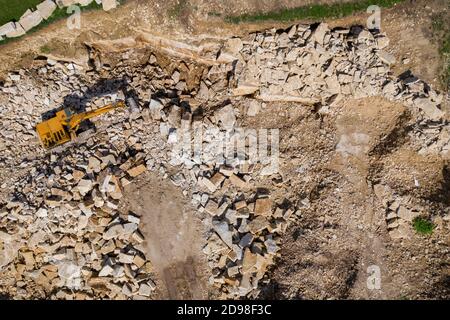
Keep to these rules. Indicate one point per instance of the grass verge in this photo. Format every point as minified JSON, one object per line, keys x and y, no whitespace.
{"x":316,"y":12}
{"x":12,"y":10}
{"x":58,"y":14}
{"x":441,"y":34}
{"x":423,"y":226}
{"x":178,"y":9}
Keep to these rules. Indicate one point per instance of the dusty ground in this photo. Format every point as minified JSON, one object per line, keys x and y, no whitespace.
{"x":326,"y":255}
{"x":173,"y":239}
{"x":342,"y":231}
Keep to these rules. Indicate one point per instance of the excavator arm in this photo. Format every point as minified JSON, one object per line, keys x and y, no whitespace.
{"x":75,"y":120}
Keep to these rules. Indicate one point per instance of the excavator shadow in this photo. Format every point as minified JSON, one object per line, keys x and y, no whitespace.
{"x":78,"y":103}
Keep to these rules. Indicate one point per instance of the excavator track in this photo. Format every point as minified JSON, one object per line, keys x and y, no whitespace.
{"x":81,"y":138}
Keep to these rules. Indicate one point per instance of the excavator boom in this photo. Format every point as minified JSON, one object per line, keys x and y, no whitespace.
{"x":75,"y":120}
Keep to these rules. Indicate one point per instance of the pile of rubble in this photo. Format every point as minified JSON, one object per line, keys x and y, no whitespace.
{"x":400,"y":212}
{"x":246,"y":241}
{"x":62,"y":233}
{"x":322,"y":66}
{"x":64,"y":220}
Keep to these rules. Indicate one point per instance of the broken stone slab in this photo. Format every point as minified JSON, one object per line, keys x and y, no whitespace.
{"x":226,"y":117}
{"x":139,"y":261}
{"x":108,"y":247}
{"x":248,"y":262}
{"x":84,"y":186}
{"x":129,"y":228}
{"x":234,"y":45}
{"x":233,"y":271}
{"x":245,"y":285}
{"x":114,"y":232}
{"x":245,"y":90}
{"x":365,"y":35}
{"x":230,"y":215}
{"x":145,"y":290}
{"x":7,"y":28}
{"x":85,"y":3}
{"x":271,"y":246}
{"x":155,"y":109}
{"x":133,"y":219}
{"x":94,"y":164}
{"x":226,"y":171}
{"x":263,"y":207}
{"x":386,"y":57}
{"x":66,"y":3}
{"x":109,"y":4}
{"x":138,"y":236}
{"x":222,"y":209}
{"x":207,"y":184}
{"x":222,"y":229}
{"x":41,"y":213}
{"x":258,"y":224}
{"x":253,"y":108}
{"x":402,"y":232}
{"x":136,"y":171}
{"x":46,"y":8}
{"x":429,"y":108}
{"x":30,"y":20}
{"x":240,"y":205}
{"x":243,"y":213}
{"x":320,"y":32}
{"x":106,"y":271}
{"x":211,"y":207}
{"x":392,"y":224}
{"x":406,"y":214}
{"x":172,"y":138}
{"x":237,"y":181}
{"x":246,"y":240}
{"x":126,"y":258}
{"x":217,"y":179}
{"x":17,"y":32}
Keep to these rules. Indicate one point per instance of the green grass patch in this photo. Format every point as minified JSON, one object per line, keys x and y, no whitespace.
{"x":45,"y":49}
{"x":441,"y":34}
{"x":58,"y":14}
{"x":423,"y":226}
{"x":444,"y":50}
{"x":178,"y":9}
{"x":315,"y":12}
{"x":12,"y":10}
{"x":214,"y":14}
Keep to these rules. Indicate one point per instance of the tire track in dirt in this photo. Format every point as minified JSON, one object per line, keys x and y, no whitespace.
{"x":173,"y":239}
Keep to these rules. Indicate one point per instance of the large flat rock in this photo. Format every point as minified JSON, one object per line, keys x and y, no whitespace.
{"x":30,"y":20}
{"x":46,"y":8}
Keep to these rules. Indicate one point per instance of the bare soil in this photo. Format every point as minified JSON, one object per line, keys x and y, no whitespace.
{"x":173,"y":237}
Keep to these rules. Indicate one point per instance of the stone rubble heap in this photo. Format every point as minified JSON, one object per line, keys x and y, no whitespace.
{"x":64,"y":219}
{"x":62,"y":232}
{"x":400,"y":212}
{"x":323,"y":66}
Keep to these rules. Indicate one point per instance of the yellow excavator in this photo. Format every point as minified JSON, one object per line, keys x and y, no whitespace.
{"x":63,"y":127}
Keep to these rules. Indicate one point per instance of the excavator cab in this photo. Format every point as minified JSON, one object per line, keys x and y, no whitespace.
{"x":54,"y":132}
